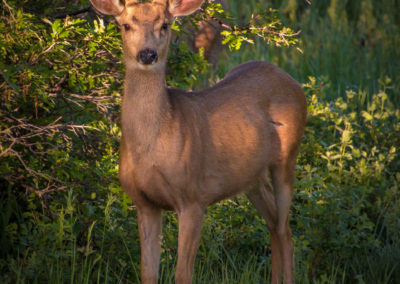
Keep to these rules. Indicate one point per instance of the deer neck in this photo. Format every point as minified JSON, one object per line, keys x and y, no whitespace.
{"x":145,"y":107}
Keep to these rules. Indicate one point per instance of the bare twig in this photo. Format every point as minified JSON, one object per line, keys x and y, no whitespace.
{"x":8,"y":149}
{"x":10,"y":9}
{"x":73,"y":13}
{"x":31,"y":171}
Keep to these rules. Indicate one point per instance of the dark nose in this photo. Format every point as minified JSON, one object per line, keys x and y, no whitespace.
{"x":147,"y":56}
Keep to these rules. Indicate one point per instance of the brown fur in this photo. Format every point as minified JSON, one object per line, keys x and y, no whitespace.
{"x":184,"y":151}
{"x":208,"y":36}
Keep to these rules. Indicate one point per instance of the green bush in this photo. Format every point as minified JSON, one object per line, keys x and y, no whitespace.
{"x":348,"y":178}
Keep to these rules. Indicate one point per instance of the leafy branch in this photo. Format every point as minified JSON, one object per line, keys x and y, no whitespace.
{"x":264,"y":24}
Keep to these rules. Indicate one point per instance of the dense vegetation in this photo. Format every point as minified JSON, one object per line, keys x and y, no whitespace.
{"x":64,"y":217}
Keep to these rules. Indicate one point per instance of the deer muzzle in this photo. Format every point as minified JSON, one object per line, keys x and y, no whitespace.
{"x":147,"y":56}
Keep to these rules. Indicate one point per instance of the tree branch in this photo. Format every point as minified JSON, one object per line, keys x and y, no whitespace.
{"x":73,"y":13}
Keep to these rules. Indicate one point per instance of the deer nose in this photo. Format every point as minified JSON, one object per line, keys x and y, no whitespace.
{"x":147,"y":56}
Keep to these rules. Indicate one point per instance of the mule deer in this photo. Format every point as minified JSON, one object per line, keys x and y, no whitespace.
{"x":184,"y":151}
{"x":208,"y":36}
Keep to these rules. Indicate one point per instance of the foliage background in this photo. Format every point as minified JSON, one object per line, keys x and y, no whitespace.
{"x":64,"y":217}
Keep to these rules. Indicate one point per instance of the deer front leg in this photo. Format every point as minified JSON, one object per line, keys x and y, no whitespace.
{"x":150,"y":225}
{"x":190,"y":222}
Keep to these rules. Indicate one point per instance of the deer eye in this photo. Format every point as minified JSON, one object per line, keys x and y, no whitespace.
{"x":164,"y":26}
{"x":127,"y":27}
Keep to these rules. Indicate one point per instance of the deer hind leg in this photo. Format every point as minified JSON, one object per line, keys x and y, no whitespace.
{"x":263,"y":200}
{"x":190,"y":222}
{"x":150,"y":226}
{"x":273,"y":203}
{"x":283,"y":180}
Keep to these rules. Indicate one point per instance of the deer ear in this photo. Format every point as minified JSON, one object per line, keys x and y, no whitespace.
{"x":183,"y":7}
{"x":109,"y":7}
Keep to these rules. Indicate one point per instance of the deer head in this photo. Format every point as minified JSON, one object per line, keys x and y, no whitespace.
{"x":146,"y":27}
